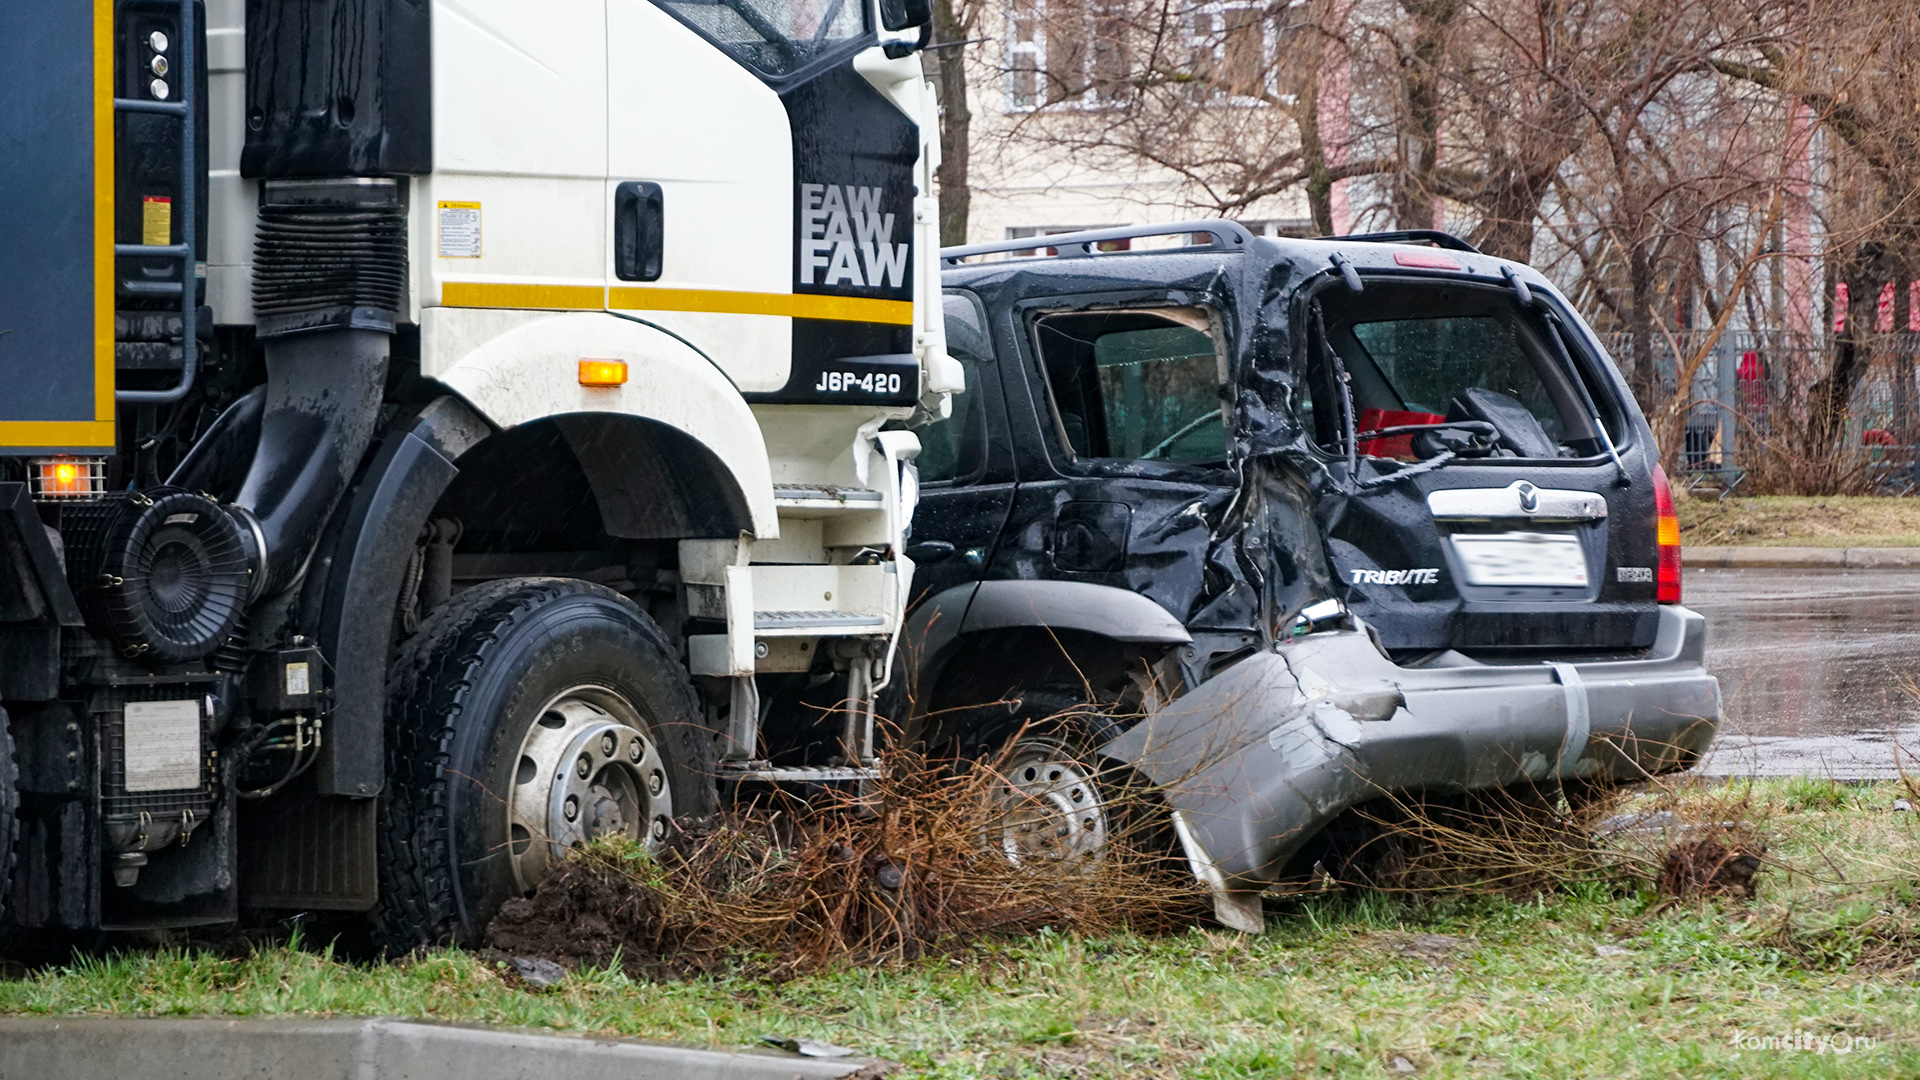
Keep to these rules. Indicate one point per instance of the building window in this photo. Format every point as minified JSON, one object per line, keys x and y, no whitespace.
{"x":1026,"y":55}
{"x":1297,"y":228}
{"x":1232,"y":51}
{"x":1082,"y":53}
{"x":1067,"y":52}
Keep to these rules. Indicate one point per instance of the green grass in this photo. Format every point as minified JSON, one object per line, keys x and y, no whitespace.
{"x":1339,"y":986}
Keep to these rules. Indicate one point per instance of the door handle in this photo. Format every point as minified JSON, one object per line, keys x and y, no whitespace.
{"x":639,"y":242}
{"x":929,"y":551}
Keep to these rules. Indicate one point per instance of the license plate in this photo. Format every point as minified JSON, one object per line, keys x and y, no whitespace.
{"x":1522,"y":558}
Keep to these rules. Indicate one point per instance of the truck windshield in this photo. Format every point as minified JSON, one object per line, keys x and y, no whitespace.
{"x":774,"y":37}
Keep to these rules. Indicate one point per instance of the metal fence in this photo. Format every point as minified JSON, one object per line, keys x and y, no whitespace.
{"x":1751,"y":396}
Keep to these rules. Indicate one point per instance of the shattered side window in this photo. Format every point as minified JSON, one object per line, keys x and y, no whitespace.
{"x":1141,"y":385}
{"x":774,"y":37}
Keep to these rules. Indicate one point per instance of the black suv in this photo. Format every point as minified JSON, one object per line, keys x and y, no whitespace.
{"x":1339,"y":517}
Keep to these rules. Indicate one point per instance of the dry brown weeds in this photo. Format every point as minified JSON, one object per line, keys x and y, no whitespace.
{"x":911,"y":867}
{"x":898,"y":871}
{"x":1681,"y":841}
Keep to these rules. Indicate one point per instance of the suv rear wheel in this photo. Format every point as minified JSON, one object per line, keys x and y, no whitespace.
{"x":527,"y":717}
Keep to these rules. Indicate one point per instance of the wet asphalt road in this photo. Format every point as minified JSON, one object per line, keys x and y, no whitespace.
{"x":1815,"y":667}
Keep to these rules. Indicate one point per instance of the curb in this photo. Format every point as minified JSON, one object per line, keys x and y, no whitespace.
{"x":85,"y":1048}
{"x":1860,"y":558}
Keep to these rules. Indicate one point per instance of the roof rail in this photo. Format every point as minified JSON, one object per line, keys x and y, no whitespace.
{"x":1411,"y":236}
{"x":1230,"y":235}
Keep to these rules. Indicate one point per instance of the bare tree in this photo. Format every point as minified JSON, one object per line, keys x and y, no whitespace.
{"x":954,"y":23}
{"x":1856,"y":67}
{"x":1646,"y":153}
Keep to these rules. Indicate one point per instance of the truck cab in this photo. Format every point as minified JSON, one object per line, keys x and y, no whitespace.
{"x":445,"y":433}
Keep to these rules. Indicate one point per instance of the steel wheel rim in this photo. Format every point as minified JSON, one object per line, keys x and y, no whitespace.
{"x":587,"y":768}
{"x":1051,"y":812}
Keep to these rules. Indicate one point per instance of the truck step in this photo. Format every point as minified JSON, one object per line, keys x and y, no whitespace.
{"x":804,"y":622}
{"x":800,"y":774}
{"x":814,"y":501}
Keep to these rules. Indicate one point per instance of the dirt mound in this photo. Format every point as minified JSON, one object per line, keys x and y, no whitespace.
{"x":1708,"y":867}
{"x":585,"y":914}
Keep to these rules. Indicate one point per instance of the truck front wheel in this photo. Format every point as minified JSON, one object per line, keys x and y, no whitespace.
{"x":527,"y":717}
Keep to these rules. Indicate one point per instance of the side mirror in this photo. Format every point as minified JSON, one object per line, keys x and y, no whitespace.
{"x":905,"y":14}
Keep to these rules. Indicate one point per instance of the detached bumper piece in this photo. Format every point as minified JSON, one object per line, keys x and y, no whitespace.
{"x":1257,"y":761}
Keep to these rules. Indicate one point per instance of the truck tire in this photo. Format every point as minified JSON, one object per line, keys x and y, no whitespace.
{"x":9,"y":817}
{"x":527,"y":716}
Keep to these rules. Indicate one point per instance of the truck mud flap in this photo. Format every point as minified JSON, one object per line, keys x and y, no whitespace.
{"x":35,"y":601}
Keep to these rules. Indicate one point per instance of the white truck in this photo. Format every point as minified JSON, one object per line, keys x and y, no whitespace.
{"x":440,"y":432}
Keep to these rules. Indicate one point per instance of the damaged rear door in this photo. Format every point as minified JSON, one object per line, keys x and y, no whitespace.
{"x":1120,"y":433}
{"x":1499,"y":493}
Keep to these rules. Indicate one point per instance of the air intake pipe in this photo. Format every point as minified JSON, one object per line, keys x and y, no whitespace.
{"x":168,"y":573}
{"x":323,"y":400}
{"x":330,"y":278}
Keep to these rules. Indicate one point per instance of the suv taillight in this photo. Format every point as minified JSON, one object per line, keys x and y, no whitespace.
{"x":1667,"y":529}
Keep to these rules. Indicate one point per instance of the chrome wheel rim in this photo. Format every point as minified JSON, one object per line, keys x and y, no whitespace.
{"x":1050,"y":809}
{"x":586,"y":769}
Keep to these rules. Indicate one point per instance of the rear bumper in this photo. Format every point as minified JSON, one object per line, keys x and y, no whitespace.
{"x":1258,"y":760}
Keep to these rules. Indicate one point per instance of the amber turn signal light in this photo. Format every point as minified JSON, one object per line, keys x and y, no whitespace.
{"x":603,"y":372}
{"x":69,"y":478}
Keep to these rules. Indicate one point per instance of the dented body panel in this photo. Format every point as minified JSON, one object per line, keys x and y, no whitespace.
{"x":1262,"y":757}
{"x":1367,"y":616}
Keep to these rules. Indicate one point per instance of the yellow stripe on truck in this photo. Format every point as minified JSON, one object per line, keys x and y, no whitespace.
{"x":57,"y":434}
{"x":478,"y":294}
{"x":491,"y":294}
{"x":794,"y":305}
{"x":103,"y":264}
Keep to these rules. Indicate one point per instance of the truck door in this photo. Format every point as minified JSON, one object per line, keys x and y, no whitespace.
{"x":762,"y":193}
{"x":1121,"y":444}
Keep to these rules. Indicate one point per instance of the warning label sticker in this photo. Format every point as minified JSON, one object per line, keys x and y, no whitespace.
{"x":162,"y":746}
{"x":156,"y":221}
{"x":459,"y":230}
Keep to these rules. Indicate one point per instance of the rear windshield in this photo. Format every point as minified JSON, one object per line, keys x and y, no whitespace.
{"x":1425,"y":353}
{"x":774,"y":37}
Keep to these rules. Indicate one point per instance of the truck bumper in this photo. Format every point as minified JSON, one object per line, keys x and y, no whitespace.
{"x":1258,"y":760}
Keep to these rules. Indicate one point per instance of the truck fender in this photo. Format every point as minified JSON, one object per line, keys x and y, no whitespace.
{"x":531,"y":372}
{"x":356,"y":587}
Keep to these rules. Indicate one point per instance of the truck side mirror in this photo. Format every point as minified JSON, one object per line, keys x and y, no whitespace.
{"x":905,"y":14}
{"x":639,"y":242}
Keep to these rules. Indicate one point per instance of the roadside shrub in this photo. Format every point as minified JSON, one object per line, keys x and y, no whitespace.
{"x":899,"y":871}
{"x":1665,"y":835}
